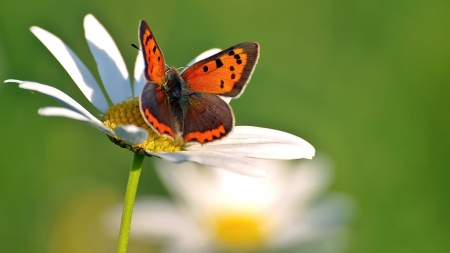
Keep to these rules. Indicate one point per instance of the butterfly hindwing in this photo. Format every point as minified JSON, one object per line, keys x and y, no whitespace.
{"x":206,"y":118}
{"x":155,"y":107}
{"x":155,"y":66}
{"x":225,"y":73}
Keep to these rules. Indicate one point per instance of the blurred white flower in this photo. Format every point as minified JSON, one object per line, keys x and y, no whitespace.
{"x":123,"y":122}
{"x":216,"y":211}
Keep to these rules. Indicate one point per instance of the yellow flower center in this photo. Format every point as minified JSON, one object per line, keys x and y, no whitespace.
{"x":128,"y":113}
{"x":239,"y":229}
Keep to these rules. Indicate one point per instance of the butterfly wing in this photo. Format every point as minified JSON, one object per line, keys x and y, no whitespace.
{"x":206,"y":118}
{"x":155,"y":67}
{"x":225,"y":73}
{"x":153,"y":102}
{"x":155,"y":108}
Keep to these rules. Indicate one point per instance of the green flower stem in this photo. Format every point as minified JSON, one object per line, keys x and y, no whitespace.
{"x":130,"y":196}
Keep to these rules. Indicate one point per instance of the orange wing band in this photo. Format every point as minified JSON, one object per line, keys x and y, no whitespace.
{"x":160,"y":127}
{"x":208,"y":135}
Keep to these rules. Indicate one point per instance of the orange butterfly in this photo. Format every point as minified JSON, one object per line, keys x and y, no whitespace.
{"x":187,"y":104}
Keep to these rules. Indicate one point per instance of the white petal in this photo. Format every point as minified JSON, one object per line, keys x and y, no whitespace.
{"x":302,"y":185}
{"x":152,"y":217}
{"x":183,"y":182}
{"x":74,"y":66}
{"x":131,"y":134}
{"x":260,"y":142}
{"x":64,"y":99}
{"x":229,"y":162}
{"x":68,"y":113}
{"x":204,"y":55}
{"x":61,"y":112}
{"x":110,"y":64}
{"x":156,"y":219}
{"x":308,"y":180}
{"x":332,"y":212}
{"x":325,"y":218}
{"x":189,"y":184}
{"x":139,"y":80}
{"x":56,"y":94}
{"x":234,"y":192}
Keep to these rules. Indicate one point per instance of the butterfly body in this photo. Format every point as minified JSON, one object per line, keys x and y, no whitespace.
{"x":187,"y":104}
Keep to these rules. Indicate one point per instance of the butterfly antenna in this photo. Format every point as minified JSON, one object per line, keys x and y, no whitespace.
{"x":134,"y":45}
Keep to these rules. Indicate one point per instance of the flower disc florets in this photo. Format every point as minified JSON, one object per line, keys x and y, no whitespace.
{"x":128,"y":113}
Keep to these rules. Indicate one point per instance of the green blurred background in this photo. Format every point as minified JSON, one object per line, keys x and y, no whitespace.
{"x":366,"y":82}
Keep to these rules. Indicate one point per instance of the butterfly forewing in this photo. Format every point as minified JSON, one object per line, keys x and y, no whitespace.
{"x":154,"y":103}
{"x":225,"y":73}
{"x":155,"y":67}
{"x":206,"y":118}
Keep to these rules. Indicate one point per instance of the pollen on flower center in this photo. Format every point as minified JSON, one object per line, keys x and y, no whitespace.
{"x":238,"y":230}
{"x":127,"y":113}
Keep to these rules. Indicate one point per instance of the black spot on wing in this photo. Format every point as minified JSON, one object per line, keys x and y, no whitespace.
{"x":238,"y":59}
{"x":219,"y":63}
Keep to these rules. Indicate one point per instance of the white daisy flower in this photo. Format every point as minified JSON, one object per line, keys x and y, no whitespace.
{"x":219,"y":211}
{"x":123,"y":122}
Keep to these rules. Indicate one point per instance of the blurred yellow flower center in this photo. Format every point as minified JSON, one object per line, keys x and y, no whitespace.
{"x":128,"y":113}
{"x":239,"y":230}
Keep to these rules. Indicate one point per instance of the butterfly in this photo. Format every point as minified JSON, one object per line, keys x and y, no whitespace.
{"x":187,"y":104}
